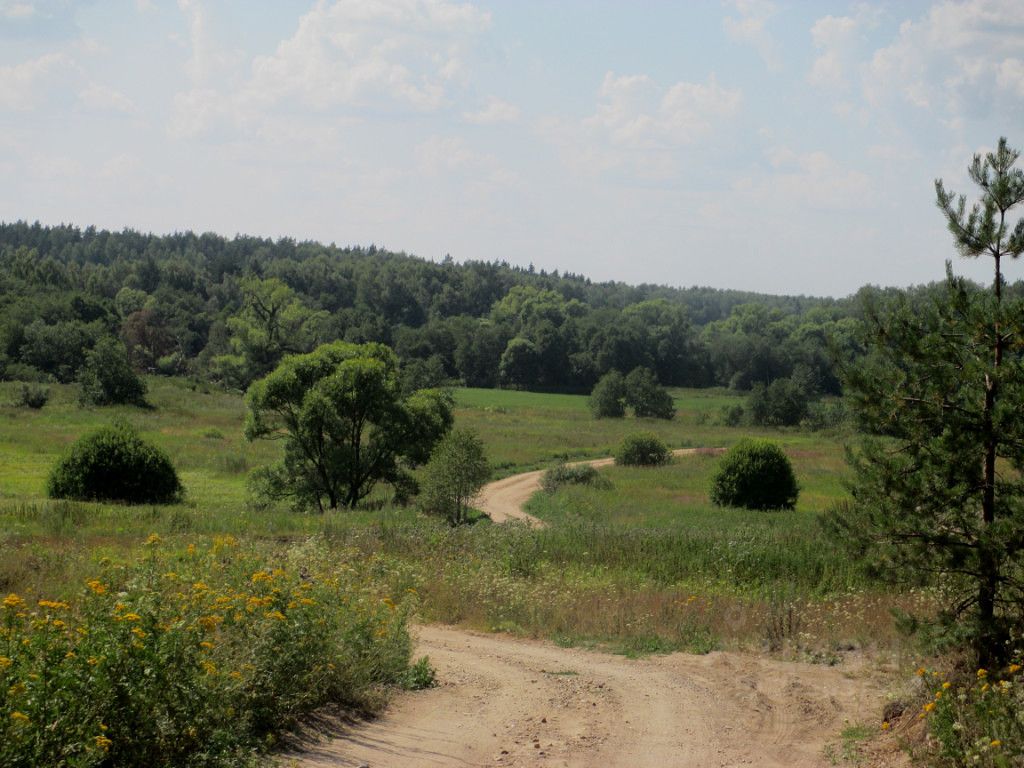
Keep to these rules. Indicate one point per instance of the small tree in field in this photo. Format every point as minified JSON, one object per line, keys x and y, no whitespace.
{"x":608,"y":398}
{"x":344,"y":423}
{"x":107,"y":377}
{"x":456,"y":472}
{"x":646,"y":396}
{"x":938,"y":489}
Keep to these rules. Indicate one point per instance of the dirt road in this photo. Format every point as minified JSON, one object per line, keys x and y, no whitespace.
{"x":503,"y":500}
{"x":512,"y":702}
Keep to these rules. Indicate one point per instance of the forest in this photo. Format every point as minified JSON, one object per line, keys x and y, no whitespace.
{"x":227,"y":310}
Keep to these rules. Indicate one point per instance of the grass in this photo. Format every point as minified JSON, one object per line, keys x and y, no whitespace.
{"x":647,"y":566}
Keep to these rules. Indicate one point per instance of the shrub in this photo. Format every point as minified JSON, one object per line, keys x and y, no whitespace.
{"x":732,"y":415}
{"x":647,"y":397}
{"x":608,"y":398}
{"x":107,"y":377}
{"x":33,"y":396}
{"x":114,"y":463}
{"x":196,"y":659}
{"x":573,"y":474}
{"x":783,"y":403}
{"x":642,"y":449}
{"x":976,"y":718}
{"x":456,"y":471}
{"x":755,"y":474}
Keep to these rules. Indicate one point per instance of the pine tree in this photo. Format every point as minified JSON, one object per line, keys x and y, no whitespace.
{"x":937,"y":485}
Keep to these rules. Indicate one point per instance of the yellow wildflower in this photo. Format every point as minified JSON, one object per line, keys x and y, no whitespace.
{"x":921,"y":671}
{"x":19,"y":717}
{"x":5,"y":662}
{"x":52,"y":604}
{"x":1014,"y":668}
{"x":210,"y":622}
{"x":209,"y":667}
{"x":103,"y":743}
{"x":200,"y":586}
{"x":929,"y":706}
{"x":59,"y":624}
{"x":153,"y":540}
{"x":13,"y":601}
{"x":307,"y":601}
{"x":131,"y":617}
{"x":92,"y":661}
{"x":97,"y":586}
{"x":16,"y":690}
{"x":995,"y":743}
{"x":276,"y":615}
{"x":171,"y":575}
{"x":191,"y":549}
{"x":946,"y":686}
{"x":259,"y":576}
{"x":982,"y":673}
{"x":885,"y":725}
{"x":138,"y":632}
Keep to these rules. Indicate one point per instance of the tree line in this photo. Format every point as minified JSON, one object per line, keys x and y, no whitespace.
{"x":229,"y":310}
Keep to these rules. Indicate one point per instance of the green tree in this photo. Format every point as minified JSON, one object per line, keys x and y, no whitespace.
{"x":107,"y":377}
{"x":273,"y":322}
{"x":938,"y":489}
{"x":344,"y":423}
{"x":647,"y":397}
{"x":783,"y":403}
{"x":608,"y":398}
{"x":456,"y":472}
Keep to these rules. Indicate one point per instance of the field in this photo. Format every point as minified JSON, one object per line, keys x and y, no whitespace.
{"x":646,"y":565}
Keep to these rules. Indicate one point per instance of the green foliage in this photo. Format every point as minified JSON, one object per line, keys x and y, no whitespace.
{"x":941,"y":390}
{"x":107,"y":377}
{"x":646,"y":396}
{"x":191,"y":659}
{"x":974,"y":718}
{"x":114,"y":463}
{"x":755,"y":474}
{"x":420,"y":675}
{"x":608,"y":398}
{"x":33,"y":396}
{"x":572,"y":474}
{"x":344,"y":423}
{"x":273,"y":322}
{"x":642,"y":449}
{"x":456,"y":472}
{"x":783,"y":403}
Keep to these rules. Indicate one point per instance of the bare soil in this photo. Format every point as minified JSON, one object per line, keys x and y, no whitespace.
{"x":504,"y":701}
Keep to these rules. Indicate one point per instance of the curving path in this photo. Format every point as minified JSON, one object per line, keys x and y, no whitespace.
{"x":503,"y":500}
{"x":505,"y":701}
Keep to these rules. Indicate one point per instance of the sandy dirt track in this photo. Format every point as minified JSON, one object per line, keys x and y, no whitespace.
{"x":503,"y":500}
{"x":510,"y":702}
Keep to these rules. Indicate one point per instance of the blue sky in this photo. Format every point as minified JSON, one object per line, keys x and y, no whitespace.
{"x":772,"y":146}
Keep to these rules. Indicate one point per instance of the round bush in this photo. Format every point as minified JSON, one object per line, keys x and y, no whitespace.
{"x":114,"y":464}
{"x":642,"y":449}
{"x":755,"y":474}
{"x":573,"y":474}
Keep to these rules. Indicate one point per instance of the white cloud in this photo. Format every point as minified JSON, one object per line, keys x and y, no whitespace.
{"x":345,"y":56}
{"x":25,"y":85}
{"x":450,"y":156}
{"x":811,"y":180}
{"x":751,"y":27}
{"x":495,"y":111}
{"x":103,"y":98}
{"x":960,"y":59}
{"x":634,"y":112}
{"x":400,"y":53}
{"x":13,"y":9}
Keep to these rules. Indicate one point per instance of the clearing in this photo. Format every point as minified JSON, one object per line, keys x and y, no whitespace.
{"x":503,"y":701}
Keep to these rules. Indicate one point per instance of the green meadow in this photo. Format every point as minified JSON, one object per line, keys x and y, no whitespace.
{"x":646,"y":563}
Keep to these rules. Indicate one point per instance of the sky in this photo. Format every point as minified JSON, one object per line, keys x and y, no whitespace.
{"x":781,"y":147}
